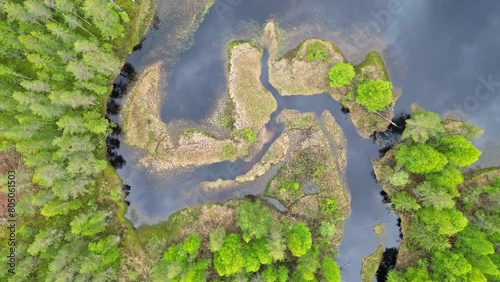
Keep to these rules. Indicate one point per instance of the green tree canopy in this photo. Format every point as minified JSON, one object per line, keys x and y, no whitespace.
{"x":308,"y":264}
{"x":447,"y":178}
{"x":375,"y":95}
{"x":420,"y":158}
{"x":431,"y":196}
{"x":299,"y":239}
{"x":458,"y":150}
{"x":229,"y":259}
{"x":400,"y":178}
{"x":472,"y":240}
{"x":192,"y":244}
{"x":422,"y":126}
{"x":447,"y":266}
{"x":254,"y":220}
{"x":330,"y":269}
{"x":217,"y":239}
{"x":341,"y":74}
{"x":404,"y":202}
{"x":446,"y":221}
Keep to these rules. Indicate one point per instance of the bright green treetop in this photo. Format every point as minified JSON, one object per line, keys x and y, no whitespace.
{"x":341,"y":74}
{"x":458,"y":150}
{"x":375,"y":95}
{"x":229,"y":259}
{"x":299,"y":240}
{"x":420,"y":158}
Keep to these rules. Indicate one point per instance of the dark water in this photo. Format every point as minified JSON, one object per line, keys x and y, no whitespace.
{"x":439,"y":53}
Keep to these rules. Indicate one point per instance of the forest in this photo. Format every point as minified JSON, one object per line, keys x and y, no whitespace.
{"x":262,"y":249}
{"x":57,"y":61}
{"x":452,"y":228}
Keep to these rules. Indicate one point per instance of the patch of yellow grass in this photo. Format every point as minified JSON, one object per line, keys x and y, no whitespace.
{"x":253,"y":103}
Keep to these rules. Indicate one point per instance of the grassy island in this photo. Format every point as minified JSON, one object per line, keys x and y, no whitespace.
{"x":318,"y":66}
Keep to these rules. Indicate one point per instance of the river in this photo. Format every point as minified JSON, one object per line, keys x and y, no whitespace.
{"x":438,"y":58}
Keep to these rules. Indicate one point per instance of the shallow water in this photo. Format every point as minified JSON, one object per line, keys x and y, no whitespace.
{"x":437,"y":52}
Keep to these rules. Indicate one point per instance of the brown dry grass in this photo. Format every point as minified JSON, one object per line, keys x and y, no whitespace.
{"x":293,"y":74}
{"x":253,"y":103}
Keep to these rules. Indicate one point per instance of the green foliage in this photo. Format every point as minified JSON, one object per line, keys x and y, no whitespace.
{"x":404,"y":202}
{"x":89,"y":224}
{"x":308,"y":264}
{"x":331,"y":270}
{"x":412,"y":274}
{"x":270,"y":274}
{"x":445,"y":221}
{"x":58,"y":207}
{"x":217,"y":239}
{"x":192,"y":244}
{"x":228,"y":152}
{"x":375,"y":95}
{"x":299,"y":239}
{"x":400,"y":178}
{"x":476,"y":275}
{"x":249,"y":134}
{"x":328,"y":206}
{"x":316,"y":52}
{"x":276,"y":245}
{"x":104,"y":17}
{"x":229,"y":259}
{"x":422,"y":126}
{"x":472,"y":241}
{"x":341,"y":74}
{"x":435,"y":197}
{"x":458,"y":150}
{"x":483,"y":263}
{"x":448,"y":265}
{"x":447,"y":178}
{"x":426,"y":239}
{"x":254,"y":220}
{"x":327,"y":229}
{"x":420,"y":158}
{"x":289,"y":185}
{"x":55,"y":69}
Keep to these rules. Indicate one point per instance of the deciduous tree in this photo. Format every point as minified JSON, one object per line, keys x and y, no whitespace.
{"x":375,"y":95}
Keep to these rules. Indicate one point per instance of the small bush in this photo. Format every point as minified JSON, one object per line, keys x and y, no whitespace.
{"x":316,"y":52}
{"x":228,"y":152}
{"x":289,"y":185}
{"x":341,"y":74}
{"x":375,"y":95}
{"x":249,"y":135}
{"x":400,"y":178}
{"x":328,"y":206}
{"x":327,"y":229}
